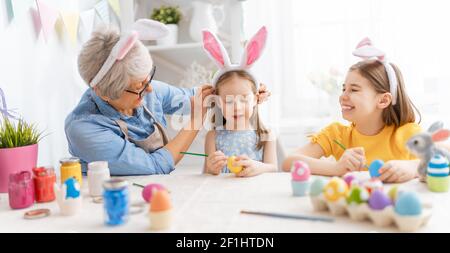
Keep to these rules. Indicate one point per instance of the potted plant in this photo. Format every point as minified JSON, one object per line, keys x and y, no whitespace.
{"x":170,"y":16}
{"x":18,"y":148}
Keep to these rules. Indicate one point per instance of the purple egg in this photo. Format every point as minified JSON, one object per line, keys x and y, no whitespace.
{"x":348,"y":179}
{"x":148,"y":189}
{"x":378,"y":200}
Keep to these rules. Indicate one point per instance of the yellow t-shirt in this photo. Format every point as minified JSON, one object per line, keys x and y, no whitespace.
{"x":389,"y":144}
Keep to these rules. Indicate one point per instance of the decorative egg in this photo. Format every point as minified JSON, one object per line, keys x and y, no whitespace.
{"x":148,"y":190}
{"x":335,"y":189}
{"x":234,"y":169}
{"x":375,"y":167}
{"x":72,"y":188}
{"x":378,"y":200}
{"x":160,"y":201}
{"x":317,"y":186}
{"x":300,"y":171}
{"x":393,"y":192}
{"x":349,"y":179}
{"x":438,"y":167}
{"x":408,"y":204}
{"x":357,"y":195}
{"x":373,"y":184}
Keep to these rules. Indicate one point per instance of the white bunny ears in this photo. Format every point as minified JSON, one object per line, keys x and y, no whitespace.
{"x":216,"y":51}
{"x":366,"y":50}
{"x":142,"y":29}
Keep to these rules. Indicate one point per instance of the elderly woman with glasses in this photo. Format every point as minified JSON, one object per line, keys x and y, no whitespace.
{"x":120,"y":118}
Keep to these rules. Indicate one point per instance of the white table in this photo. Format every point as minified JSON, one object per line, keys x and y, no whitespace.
{"x":206,"y":203}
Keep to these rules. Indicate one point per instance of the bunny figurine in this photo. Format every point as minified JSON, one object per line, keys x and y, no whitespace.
{"x":216,"y":51}
{"x":423,"y":146}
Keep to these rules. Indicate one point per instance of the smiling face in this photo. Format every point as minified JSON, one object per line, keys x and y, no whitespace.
{"x":238,"y":100}
{"x":359,"y":100}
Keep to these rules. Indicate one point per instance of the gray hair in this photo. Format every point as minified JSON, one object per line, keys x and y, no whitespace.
{"x":134,"y":67}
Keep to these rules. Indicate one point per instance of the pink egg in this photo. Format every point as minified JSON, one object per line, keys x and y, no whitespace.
{"x":300,"y":171}
{"x":148,"y":189}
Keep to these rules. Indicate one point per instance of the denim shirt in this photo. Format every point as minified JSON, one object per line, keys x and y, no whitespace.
{"x":93,"y":134}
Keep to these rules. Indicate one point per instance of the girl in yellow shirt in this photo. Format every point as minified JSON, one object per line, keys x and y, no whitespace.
{"x":382,"y":119}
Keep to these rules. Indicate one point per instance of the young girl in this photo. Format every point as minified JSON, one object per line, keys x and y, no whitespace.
{"x":238,"y":130}
{"x":382,"y":119}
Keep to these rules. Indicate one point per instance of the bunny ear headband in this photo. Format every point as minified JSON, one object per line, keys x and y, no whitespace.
{"x":216,"y":51}
{"x":142,"y":29}
{"x":366,"y":50}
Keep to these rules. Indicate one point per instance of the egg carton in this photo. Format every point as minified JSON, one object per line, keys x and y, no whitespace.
{"x":381,"y":218}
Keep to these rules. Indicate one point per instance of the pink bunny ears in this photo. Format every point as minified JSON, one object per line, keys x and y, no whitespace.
{"x":216,"y":51}
{"x":142,"y":29}
{"x":366,"y":50}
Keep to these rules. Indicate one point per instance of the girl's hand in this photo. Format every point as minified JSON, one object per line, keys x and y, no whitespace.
{"x":263,"y":93}
{"x":397,"y":171}
{"x":215,"y":162}
{"x":353,"y":159}
{"x":250,"y":167}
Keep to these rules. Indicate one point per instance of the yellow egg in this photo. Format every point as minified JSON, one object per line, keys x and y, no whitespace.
{"x":234,"y":169}
{"x":335,"y":189}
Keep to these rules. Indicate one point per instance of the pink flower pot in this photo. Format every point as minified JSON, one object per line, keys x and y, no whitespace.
{"x":14,"y":160}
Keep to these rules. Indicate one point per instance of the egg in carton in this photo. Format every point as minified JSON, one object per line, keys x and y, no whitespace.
{"x":368,"y":201}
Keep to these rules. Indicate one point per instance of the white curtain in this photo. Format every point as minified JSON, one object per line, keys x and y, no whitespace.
{"x":309,"y":52}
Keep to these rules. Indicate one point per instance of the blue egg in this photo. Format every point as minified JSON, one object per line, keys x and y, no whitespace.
{"x":73,"y":188}
{"x":438,"y":167}
{"x":317,"y":186}
{"x":408,"y":204}
{"x":374,"y":167}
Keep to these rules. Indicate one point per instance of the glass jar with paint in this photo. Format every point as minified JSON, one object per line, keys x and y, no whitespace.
{"x":44,"y":179}
{"x":98,"y":172}
{"x":116,"y":201}
{"x":71,"y":167}
{"x":20,"y":190}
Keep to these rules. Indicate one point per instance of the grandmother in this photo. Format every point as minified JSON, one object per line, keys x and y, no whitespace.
{"x":120,"y":118}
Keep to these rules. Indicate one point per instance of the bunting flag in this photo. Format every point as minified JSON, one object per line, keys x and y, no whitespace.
{"x":9,"y":10}
{"x":102,"y":10}
{"x":115,"y":5}
{"x":87,"y":21}
{"x":71,"y":20}
{"x":21,"y":8}
{"x":36,"y":21}
{"x":48,"y":17}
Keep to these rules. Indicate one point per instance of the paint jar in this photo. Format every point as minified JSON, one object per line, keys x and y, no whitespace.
{"x":71,"y":167}
{"x":44,"y":179}
{"x":20,"y":190}
{"x":116,"y":201}
{"x":98,"y":172}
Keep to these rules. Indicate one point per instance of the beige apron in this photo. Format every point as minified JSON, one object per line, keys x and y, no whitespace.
{"x":154,"y":141}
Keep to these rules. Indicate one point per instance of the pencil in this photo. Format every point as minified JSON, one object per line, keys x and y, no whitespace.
{"x":289,"y":216}
{"x":196,"y":154}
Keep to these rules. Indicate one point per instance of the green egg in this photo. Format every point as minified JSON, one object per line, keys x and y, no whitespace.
{"x":317,"y":186}
{"x":357,"y":195}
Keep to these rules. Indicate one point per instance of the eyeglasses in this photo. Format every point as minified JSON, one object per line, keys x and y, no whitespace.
{"x":152,"y":73}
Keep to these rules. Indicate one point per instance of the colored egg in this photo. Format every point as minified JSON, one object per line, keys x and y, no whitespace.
{"x":300,"y":171}
{"x":438,"y":167}
{"x":375,"y":167}
{"x":317,"y":187}
{"x":72,"y":188}
{"x":160,"y":201}
{"x":357,"y":195}
{"x":373,"y":184}
{"x":234,"y":169}
{"x":335,"y":189}
{"x":148,"y":190}
{"x":349,"y":179}
{"x":378,"y":200}
{"x":408,"y":204}
{"x":393,"y":192}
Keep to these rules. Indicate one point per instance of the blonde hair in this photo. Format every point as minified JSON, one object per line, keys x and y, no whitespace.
{"x":136,"y":64}
{"x":403,"y":111}
{"x":261,"y":131}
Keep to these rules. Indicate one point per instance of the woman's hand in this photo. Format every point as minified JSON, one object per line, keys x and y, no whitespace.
{"x":353,"y":159}
{"x":263,"y":93}
{"x":250,"y":167}
{"x":398,"y":171}
{"x":198,"y":106}
{"x":215,"y":162}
